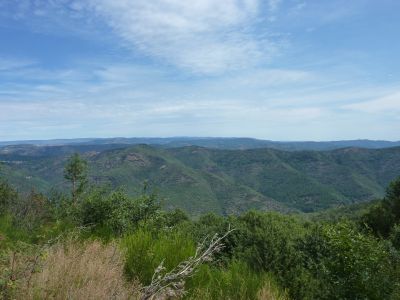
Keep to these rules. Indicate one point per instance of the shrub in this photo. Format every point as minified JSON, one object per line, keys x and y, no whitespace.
{"x":145,"y":250}
{"x":349,"y":264}
{"x":395,"y":236}
{"x":268,"y":243}
{"x":235,"y":281}
{"x":384,"y":215}
{"x":18,"y":261}
{"x":32,"y":211}
{"x":8,"y":196}
{"x":116,"y":212}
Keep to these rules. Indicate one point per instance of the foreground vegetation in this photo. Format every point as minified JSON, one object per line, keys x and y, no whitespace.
{"x":100,"y":243}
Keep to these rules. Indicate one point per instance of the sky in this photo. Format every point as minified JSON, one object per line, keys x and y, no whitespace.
{"x":270,"y":69}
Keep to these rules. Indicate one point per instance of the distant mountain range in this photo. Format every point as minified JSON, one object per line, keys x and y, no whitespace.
{"x":224,"y":181}
{"x":209,"y":142}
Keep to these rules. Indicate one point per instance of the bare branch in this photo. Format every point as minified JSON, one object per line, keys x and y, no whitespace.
{"x":172,"y":284}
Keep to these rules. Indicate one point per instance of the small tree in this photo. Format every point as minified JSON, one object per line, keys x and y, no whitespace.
{"x":76,"y":172}
{"x":8,"y":195}
{"x":392,"y":198}
{"x":384,"y":215}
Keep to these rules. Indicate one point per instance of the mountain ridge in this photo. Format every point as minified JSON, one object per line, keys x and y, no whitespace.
{"x":213,"y":142}
{"x":224,"y":181}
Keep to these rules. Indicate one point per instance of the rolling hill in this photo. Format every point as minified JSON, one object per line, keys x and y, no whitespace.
{"x":211,"y":142}
{"x":201,"y":179}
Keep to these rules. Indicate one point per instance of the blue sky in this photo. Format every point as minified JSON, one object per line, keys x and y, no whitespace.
{"x":272,"y":69}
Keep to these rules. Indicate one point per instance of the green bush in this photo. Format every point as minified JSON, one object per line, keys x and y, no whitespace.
{"x":8,"y":196}
{"x":235,"y":281}
{"x":9,"y":234}
{"x":349,"y":264}
{"x":145,"y":250}
{"x":268,"y":243}
{"x":116,"y":212}
{"x":395,"y":236}
{"x":381,"y":217}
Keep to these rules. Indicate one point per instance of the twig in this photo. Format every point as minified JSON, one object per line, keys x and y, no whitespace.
{"x":172,"y":283}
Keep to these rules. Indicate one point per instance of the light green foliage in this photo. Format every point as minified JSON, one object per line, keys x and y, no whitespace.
{"x":234,"y":281}
{"x":145,"y":250}
{"x":9,"y":233}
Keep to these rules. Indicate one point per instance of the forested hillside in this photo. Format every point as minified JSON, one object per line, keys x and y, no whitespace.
{"x":201,"y":180}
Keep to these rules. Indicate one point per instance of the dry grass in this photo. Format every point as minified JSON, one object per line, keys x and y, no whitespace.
{"x":270,"y":292}
{"x":80,"y":271}
{"x":91,"y":270}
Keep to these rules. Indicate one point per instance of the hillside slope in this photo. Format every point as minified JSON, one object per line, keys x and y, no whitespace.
{"x":222,"y":181}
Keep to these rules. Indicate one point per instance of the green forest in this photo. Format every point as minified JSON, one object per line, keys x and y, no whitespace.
{"x":201,"y":180}
{"x":91,"y":240}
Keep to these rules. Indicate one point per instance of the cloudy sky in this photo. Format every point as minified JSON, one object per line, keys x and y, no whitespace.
{"x":272,"y":69}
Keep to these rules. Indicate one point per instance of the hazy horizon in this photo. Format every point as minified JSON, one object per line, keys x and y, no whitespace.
{"x":195,"y":137}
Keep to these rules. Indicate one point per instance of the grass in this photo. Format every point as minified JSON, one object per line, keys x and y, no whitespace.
{"x":79,"y":271}
{"x":234,"y":281}
{"x":144,"y":251}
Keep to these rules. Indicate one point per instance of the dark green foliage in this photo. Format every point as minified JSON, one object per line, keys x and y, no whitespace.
{"x":264,"y":237}
{"x":116,"y":210}
{"x":174,"y":217}
{"x":392,"y":199}
{"x":379,"y":219}
{"x":268,"y":243}
{"x":384,"y":215}
{"x":348,"y":264}
{"x":8,"y":196}
{"x":200,"y":180}
{"x":76,"y":171}
{"x":395,"y":236}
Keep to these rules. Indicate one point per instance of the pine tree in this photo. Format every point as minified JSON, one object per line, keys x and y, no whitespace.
{"x":76,"y":172}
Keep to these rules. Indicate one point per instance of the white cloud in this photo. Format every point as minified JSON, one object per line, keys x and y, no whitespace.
{"x":11,"y":64}
{"x":104,"y":98}
{"x":201,"y":36}
{"x":386,"y":104}
{"x":204,"y":36}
